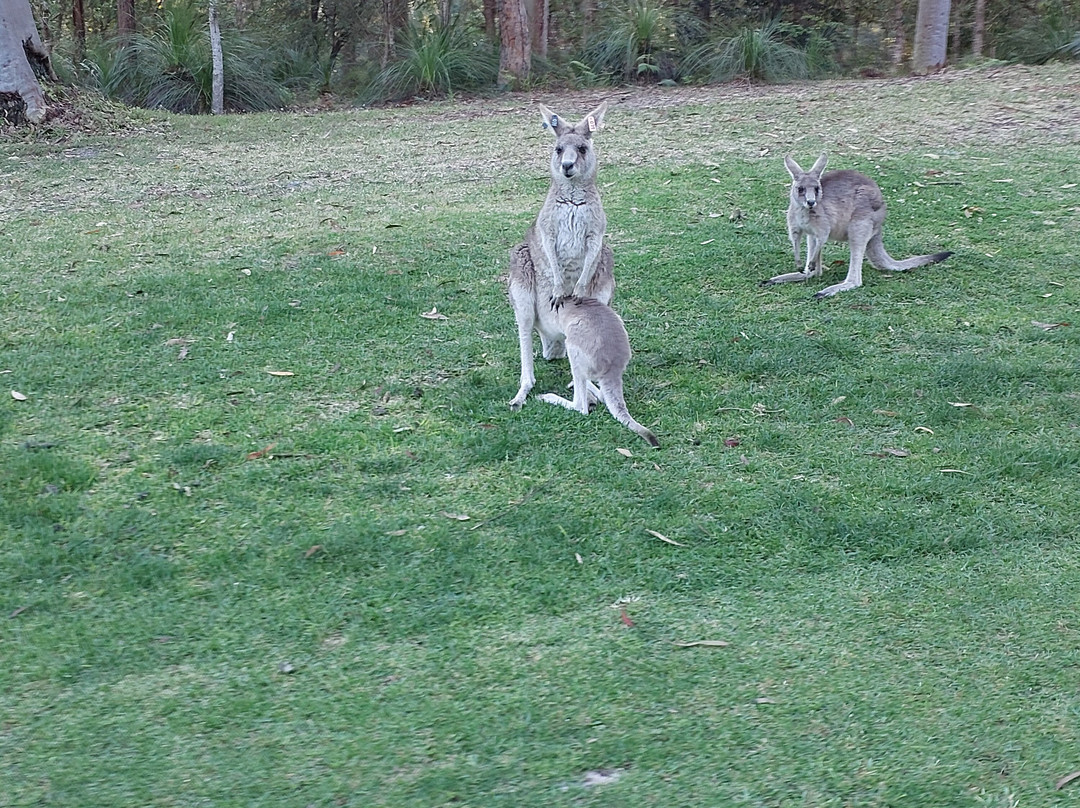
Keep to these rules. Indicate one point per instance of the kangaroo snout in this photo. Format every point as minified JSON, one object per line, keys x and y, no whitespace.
{"x":569,"y":168}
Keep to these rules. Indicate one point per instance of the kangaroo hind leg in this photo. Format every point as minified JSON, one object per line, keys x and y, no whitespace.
{"x":859,"y":234}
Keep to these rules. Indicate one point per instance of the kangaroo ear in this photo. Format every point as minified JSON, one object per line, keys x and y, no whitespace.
{"x":555,"y":122}
{"x":819,"y":164}
{"x":593,"y":122}
{"x":793,"y":168}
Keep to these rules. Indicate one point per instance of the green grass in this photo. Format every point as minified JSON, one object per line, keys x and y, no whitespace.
{"x":196,"y":619}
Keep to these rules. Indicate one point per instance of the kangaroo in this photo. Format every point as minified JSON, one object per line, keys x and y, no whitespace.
{"x":839,"y":206}
{"x":564,"y":251}
{"x":599,"y":349}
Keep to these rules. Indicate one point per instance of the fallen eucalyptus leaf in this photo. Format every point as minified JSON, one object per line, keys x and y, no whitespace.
{"x":15,"y":394}
{"x":704,"y":644}
{"x":1068,"y":778}
{"x":662,"y":537}
{"x":434,"y":315}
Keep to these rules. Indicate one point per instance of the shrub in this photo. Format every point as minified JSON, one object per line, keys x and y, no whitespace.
{"x":754,"y":53}
{"x":170,"y":68}
{"x":436,"y":60}
{"x":638,"y":40}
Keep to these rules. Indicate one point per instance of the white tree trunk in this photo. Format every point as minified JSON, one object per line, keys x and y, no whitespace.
{"x":19,"y":43}
{"x":931,"y":36}
{"x":217,"y":83}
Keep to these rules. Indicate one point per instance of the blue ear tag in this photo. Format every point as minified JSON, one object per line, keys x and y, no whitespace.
{"x":554,"y":121}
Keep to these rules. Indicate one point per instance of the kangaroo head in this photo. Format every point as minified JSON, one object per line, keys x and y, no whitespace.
{"x":806,"y":185}
{"x":573,"y":159}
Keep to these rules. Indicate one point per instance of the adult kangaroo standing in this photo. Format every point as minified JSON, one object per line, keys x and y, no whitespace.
{"x":564,"y":253}
{"x":839,"y":206}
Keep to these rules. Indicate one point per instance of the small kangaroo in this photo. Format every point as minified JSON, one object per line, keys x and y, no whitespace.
{"x":839,"y":206}
{"x":599,"y":350}
{"x":564,"y":251}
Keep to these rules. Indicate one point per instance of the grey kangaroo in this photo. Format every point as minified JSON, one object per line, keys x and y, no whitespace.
{"x":599,"y":351}
{"x":564,"y":251}
{"x":839,"y":206}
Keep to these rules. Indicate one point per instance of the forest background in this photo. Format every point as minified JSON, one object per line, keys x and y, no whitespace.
{"x":300,"y":52}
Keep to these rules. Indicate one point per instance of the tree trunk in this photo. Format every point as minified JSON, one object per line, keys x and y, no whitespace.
{"x":217,"y":81}
{"x":125,"y":18}
{"x":22,"y":59}
{"x":931,"y":36}
{"x":957,"y":31}
{"x":490,"y":13}
{"x":514,"y":51}
{"x":539,"y":16}
{"x":978,"y":28}
{"x":899,"y":34}
{"x":395,"y":17}
{"x":588,"y":12}
{"x":78,"y":28}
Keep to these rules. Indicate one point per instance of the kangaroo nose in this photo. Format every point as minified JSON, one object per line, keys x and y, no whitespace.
{"x":810,"y":203}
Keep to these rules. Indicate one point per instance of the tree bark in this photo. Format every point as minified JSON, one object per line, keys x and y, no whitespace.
{"x":931,"y":36}
{"x":125,"y":18}
{"x":514,"y":51}
{"x":490,"y":13}
{"x":978,"y":28}
{"x":22,"y":59}
{"x":217,"y":81}
{"x":539,"y":15}
{"x":78,"y":28}
{"x":588,"y":11}
{"x":899,"y":34}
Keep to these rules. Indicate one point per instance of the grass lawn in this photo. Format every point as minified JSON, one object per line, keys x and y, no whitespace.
{"x":269,"y":536}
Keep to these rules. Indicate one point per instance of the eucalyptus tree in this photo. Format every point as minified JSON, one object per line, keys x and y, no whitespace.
{"x":23,"y":58}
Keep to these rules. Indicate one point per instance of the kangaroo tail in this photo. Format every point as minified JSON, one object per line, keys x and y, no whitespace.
{"x":616,"y":404}
{"x":877,"y":255}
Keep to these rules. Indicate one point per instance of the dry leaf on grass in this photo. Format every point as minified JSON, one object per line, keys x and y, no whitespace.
{"x":15,"y":394}
{"x":434,"y":315}
{"x":312,"y":550}
{"x":704,"y":644}
{"x":1047,"y":326}
{"x":891,"y":453}
{"x":281,"y":373}
{"x":625,"y":618}
{"x":261,"y":452}
{"x":1068,"y":778}
{"x":625,"y":452}
{"x":662,"y":537}
{"x":457,"y":517}
{"x":960,"y":404}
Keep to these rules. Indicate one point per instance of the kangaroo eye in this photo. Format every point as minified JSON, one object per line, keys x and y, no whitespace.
{"x":582,"y":149}
{"x":802,"y":192}
{"x":558,"y":149}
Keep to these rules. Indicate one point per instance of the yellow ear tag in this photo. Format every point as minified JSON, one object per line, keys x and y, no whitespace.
{"x":592,"y":123}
